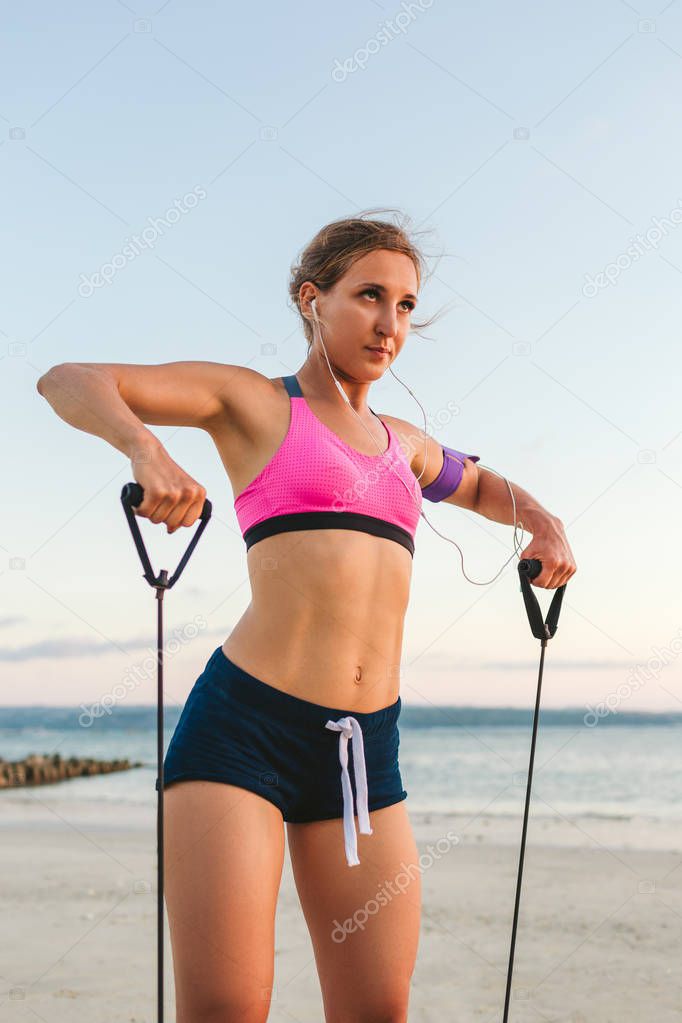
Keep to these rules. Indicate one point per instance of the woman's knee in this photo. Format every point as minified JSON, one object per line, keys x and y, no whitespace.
{"x":388,"y":1007}
{"x":233,"y":1007}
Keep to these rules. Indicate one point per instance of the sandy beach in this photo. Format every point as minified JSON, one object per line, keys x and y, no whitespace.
{"x":598,"y":939}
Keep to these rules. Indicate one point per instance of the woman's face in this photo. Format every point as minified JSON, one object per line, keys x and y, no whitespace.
{"x":369,"y":306}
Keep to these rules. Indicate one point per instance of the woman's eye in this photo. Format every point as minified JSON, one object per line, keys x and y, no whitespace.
{"x":373,"y":291}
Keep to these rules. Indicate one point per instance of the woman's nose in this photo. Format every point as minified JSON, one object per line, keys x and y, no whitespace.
{"x":388,"y":325}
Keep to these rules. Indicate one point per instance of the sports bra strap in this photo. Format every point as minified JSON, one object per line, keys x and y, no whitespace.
{"x":293,"y":387}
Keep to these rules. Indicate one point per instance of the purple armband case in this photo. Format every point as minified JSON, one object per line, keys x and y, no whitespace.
{"x":450,"y":476}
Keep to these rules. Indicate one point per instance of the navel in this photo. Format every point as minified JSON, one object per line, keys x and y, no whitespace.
{"x":358,"y":673}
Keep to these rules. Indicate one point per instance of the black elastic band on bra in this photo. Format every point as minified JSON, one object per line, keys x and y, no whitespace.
{"x":328,"y":520}
{"x":293,"y":387}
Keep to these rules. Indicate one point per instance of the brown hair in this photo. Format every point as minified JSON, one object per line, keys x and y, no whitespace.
{"x":336,"y":246}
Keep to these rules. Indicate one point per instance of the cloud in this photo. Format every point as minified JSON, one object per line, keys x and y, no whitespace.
{"x":556,"y":665}
{"x":439,"y":660}
{"x":64,"y":649}
{"x":6,"y":620}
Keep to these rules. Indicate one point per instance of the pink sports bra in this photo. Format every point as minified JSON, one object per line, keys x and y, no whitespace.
{"x":316,"y":481}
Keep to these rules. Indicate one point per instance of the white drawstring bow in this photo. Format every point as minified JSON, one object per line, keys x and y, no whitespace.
{"x":350,"y":729}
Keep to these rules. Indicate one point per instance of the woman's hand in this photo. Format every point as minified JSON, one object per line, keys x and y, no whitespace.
{"x":550,"y":546}
{"x":170,"y":495}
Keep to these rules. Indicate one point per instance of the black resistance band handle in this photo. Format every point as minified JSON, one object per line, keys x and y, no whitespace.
{"x":132,"y":495}
{"x":530,"y":568}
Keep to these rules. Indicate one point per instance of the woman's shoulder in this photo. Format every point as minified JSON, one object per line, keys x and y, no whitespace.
{"x":252,"y":405}
{"x":415,"y":443}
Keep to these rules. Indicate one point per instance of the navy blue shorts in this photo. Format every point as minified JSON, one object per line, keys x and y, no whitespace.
{"x":237,"y":729}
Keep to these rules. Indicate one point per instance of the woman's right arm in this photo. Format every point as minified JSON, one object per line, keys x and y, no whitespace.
{"x":87,"y":396}
{"x":115,"y":400}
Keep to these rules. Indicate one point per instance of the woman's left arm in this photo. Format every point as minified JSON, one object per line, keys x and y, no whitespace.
{"x":549,"y":545}
{"x":485,"y":493}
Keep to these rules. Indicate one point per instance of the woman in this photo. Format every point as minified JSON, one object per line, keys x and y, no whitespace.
{"x":328,"y":499}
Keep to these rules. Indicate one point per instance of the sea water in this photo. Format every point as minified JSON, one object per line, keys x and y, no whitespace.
{"x":452,"y":760}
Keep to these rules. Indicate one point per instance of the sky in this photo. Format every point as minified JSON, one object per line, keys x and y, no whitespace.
{"x":538,"y":145}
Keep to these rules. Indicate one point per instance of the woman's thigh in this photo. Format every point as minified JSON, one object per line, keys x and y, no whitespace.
{"x":363,"y":920}
{"x":223,"y":857}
